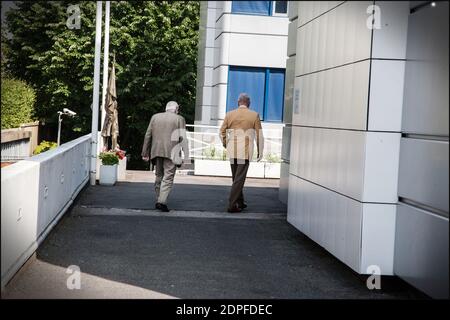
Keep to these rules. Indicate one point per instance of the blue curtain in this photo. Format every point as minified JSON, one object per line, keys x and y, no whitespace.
{"x":251,"y":7}
{"x":249,"y":80}
{"x":275,"y":96}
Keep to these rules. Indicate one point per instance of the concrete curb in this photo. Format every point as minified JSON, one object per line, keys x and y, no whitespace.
{"x":102,"y":211}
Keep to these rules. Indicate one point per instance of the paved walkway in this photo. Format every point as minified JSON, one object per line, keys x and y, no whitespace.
{"x":125,"y":249}
{"x":189,"y":193}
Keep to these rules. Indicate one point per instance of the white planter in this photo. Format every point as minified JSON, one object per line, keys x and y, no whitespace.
{"x":122,"y":170}
{"x":272,"y":170}
{"x":222,"y":168}
{"x":256,"y":170}
{"x":108,"y":175}
{"x":212,"y":168}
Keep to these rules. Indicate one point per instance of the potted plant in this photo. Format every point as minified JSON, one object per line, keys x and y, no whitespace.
{"x":108,"y":167}
{"x":120,"y":153}
{"x":122,"y":166}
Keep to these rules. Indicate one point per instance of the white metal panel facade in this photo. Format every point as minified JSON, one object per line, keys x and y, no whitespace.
{"x":346,"y":128}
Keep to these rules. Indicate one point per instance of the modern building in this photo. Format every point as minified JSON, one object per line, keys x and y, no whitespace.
{"x":364,"y":121}
{"x":242,"y":49}
{"x":366,"y":137}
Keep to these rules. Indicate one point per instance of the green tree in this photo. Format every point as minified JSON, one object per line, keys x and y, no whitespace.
{"x":4,"y":52}
{"x":155,"y":45}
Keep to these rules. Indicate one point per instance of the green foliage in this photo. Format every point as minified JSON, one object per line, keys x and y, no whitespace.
{"x":271,"y":157}
{"x":17,"y":103}
{"x":211,"y":153}
{"x":155,"y":44}
{"x":44,"y":146}
{"x":268,"y":157}
{"x":109,"y":158}
{"x":4,"y":50}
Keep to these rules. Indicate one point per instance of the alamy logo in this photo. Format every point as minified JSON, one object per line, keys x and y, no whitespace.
{"x":74,"y":19}
{"x":74,"y":280}
{"x":374,"y":280}
{"x":374,"y":20}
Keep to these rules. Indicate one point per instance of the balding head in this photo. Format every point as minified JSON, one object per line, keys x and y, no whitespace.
{"x":244,"y":99}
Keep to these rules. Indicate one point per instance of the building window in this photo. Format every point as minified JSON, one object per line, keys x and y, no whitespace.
{"x":264,"y":86}
{"x":280,"y":8}
{"x":264,"y":8}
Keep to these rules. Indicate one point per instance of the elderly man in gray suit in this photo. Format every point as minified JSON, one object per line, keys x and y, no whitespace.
{"x":163,"y":142}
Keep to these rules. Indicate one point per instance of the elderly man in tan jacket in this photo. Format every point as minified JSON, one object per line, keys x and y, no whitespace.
{"x":240,"y":128}
{"x":163,"y":142}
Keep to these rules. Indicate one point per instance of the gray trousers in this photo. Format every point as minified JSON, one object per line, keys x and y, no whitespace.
{"x":239,"y":173}
{"x":164,"y":173}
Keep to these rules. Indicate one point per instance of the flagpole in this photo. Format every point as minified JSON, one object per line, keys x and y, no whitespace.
{"x":105,"y":68}
{"x":95,"y":92}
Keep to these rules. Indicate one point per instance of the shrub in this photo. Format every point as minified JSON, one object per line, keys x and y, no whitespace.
{"x":17,"y":103}
{"x":44,"y":146}
{"x":273,"y":158}
{"x":212,"y":153}
{"x":109,"y":158}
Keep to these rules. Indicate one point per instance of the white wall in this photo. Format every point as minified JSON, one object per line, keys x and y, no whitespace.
{"x":35,"y":193}
{"x":346,"y":129}
{"x":421,"y":249}
{"x":288,"y":100}
{"x":204,"y":106}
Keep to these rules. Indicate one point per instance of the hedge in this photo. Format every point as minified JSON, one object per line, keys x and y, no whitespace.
{"x":17,"y":103}
{"x":44,"y":146}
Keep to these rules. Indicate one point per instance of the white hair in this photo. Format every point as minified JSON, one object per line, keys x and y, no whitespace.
{"x":172,"y":106}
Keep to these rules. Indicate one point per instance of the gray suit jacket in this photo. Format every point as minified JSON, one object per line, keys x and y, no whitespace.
{"x":165,"y":137}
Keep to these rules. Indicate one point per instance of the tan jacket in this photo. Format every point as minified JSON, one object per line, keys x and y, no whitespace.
{"x":165,"y":137}
{"x":240,"y":128}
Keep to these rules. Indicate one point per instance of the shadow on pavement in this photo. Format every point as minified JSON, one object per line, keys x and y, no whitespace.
{"x":206,"y":258}
{"x":189,"y":257}
{"x":195,"y":197}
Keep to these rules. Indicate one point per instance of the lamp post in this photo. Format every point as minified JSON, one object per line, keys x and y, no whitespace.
{"x":60,"y":113}
{"x":95,"y":93}
{"x":59,"y":127}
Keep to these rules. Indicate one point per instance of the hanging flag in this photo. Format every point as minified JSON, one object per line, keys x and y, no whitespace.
{"x":111,"y":125}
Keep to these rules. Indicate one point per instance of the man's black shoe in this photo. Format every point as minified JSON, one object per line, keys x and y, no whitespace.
{"x":162,"y":207}
{"x":236,"y":209}
{"x":242,"y":206}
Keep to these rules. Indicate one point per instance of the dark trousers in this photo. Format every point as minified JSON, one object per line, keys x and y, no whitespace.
{"x":239,"y":173}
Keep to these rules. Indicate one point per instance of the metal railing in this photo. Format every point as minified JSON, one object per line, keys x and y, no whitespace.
{"x":204,"y":143}
{"x":15,"y":150}
{"x":19,"y":143}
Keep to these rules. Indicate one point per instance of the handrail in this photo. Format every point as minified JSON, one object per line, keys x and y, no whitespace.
{"x":201,"y":126}
{"x":206,"y":143}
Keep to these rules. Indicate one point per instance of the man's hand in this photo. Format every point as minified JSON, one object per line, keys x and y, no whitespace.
{"x":146,"y":158}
